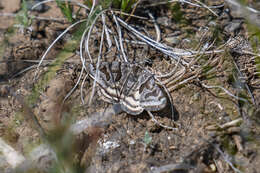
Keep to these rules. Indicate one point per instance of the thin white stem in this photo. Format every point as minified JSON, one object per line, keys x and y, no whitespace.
{"x":81,"y":89}
{"x":120,"y":38}
{"x":171,"y":72}
{"x":55,"y":41}
{"x":89,"y":33}
{"x":157,"y":29}
{"x":160,"y":124}
{"x":225,"y":90}
{"x":75,"y":86}
{"x":82,"y":58}
{"x":97,"y":66}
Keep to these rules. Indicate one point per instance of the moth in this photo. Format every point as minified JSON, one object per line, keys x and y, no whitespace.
{"x":130,"y":85}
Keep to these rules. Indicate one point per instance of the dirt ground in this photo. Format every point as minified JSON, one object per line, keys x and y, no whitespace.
{"x":203,"y":142}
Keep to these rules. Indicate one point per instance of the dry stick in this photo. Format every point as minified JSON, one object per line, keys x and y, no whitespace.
{"x":160,"y":124}
{"x":172,"y":52}
{"x":119,"y":32}
{"x":89,"y":33}
{"x":172,"y":88}
{"x":55,"y":41}
{"x":25,"y":60}
{"x":134,"y":42}
{"x":75,"y":86}
{"x":247,"y":87}
{"x":175,"y":78}
{"x":170,"y":81}
{"x":226,"y":159}
{"x":97,"y":66}
{"x":182,"y":1}
{"x":91,"y":28}
{"x":83,"y":59}
{"x":225,"y":90}
{"x":132,"y":12}
{"x":157,"y":29}
{"x":107,"y":33}
{"x":166,"y":2}
{"x":28,"y":68}
{"x":172,"y":167}
{"x":231,"y":123}
{"x":149,"y":41}
{"x":130,"y":15}
{"x":81,"y":89}
{"x":116,"y":43}
{"x":108,"y":39}
{"x":170,"y":73}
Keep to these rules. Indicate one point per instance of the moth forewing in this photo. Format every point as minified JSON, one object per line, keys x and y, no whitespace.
{"x":130,"y":85}
{"x":152,"y":97}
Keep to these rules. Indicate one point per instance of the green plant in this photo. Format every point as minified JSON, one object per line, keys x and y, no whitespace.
{"x":123,"y":5}
{"x":147,"y":138}
{"x":66,"y":9}
{"x":23,"y":17}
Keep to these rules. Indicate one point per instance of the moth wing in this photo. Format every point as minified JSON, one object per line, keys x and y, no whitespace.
{"x":152,"y":97}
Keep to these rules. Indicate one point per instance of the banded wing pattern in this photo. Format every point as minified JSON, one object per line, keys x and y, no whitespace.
{"x":130,"y":85}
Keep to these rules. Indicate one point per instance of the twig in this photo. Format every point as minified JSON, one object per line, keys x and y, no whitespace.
{"x":119,"y":33}
{"x":171,"y":167}
{"x":157,"y":29}
{"x":90,"y":31}
{"x":74,"y":87}
{"x":97,"y":66}
{"x":225,"y":90}
{"x":231,"y":123}
{"x":244,"y":83}
{"x":81,"y":88}
{"x":149,"y":41}
{"x":160,"y":124}
{"x":29,"y":68}
{"x":133,"y":10}
{"x":226,"y":159}
{"x":55,"y":41}
{"x":170,"y":73}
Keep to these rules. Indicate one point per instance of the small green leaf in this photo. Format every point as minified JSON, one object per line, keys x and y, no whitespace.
{"x":147,"y":138}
